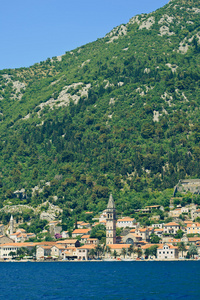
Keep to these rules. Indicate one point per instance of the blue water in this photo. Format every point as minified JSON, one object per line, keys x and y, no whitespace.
{"x":100,"y":280}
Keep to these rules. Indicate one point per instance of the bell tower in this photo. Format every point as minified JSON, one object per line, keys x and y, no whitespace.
{"x":110,"y":222}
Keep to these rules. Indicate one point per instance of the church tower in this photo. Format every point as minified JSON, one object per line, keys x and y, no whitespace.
{"x":110,"y":222}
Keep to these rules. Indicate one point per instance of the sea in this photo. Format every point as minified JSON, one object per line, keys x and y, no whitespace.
{"x":135,"y":280}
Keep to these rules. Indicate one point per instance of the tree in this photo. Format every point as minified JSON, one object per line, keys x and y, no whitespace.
{"x":179,"y":234}
{"x":130,"y":250}
{"x":92,"y":253}
{"x":123,"y":252}
{"x":193,"y":250}
{"x":154,"y":239}
{"x":98,"y":250}
{"x":115,"y":253}
{"x":147,"y":253}
{"x":12,"y":253}
{"x":153,"y":250}
{"x":181,"y":247}
{"x":138,"y":251}
{"x":107,"y":249}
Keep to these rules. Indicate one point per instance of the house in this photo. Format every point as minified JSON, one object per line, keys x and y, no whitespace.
{"x":195,"y":214}
{"x":43,"y":251}
{"x":92,"y":241}
{"x":193,"y":228}
{"x":167,"y":252}
{"x":81,"y":225}
{"x":158,"y":232}
{"x":84,"y":238}
{"x":126,"y":222}
{"x":69,"y":243}
{"x":144,"y":233}
{"x":83,"y":252}
{"x":56,"y":251}
{"x":70,"y":253}
{"x":80,"y":232}
{"x":21,"y":236}
{"x":157,"y":225}
{"x":171,"y":228}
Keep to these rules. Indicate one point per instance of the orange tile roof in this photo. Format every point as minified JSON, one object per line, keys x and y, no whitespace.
{"x":158,"y":229}
{"x":81,"y":231}
{"x":69,"y":241}
{"x":171,"y":224}
{"x":132,"y":230}
{"x":119,"y":246}
{"x":143,"y":229}
{"x":169,"y":245}
{"x":126,"y":219}
{"x":85,"y":236}
{"x":21,"y":229}
{"x":87,"y":247}
{"x":144,"y":247}
{"x":59,"y":247}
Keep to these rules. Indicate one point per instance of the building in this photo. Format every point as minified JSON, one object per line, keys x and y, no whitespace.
{"x":56,"y":251}
{"x":158,"y":232}
{"x":157,"y":225}
{"x":6,"y":249}
{"x":111,"y":222}
{"x":126,"y":222}
{"x":167,"y":251}
{"x":84,"y":251}
{"x":195,"y":214}
{"x":69,"y":243}
{"x":193,"y":228}
{"x":69,"y":254}
{"x":80,"y":232}
{"x":131,"y":238}
{"x":171,"y":228}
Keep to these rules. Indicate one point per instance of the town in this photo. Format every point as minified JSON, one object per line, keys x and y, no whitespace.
{"x":177,"y":237}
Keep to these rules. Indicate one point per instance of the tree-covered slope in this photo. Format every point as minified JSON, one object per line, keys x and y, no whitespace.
{"x":120,"y":114}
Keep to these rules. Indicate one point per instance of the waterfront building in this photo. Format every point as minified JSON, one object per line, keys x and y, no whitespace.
{"x":167,"y":252}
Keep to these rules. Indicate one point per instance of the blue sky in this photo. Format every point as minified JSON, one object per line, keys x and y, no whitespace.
{"x":33,"y":30}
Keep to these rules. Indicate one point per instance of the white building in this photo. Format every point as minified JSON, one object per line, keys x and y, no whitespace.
{"x":167,"y":251}
{"x":126,"y":222}
{"x":171,"y":228}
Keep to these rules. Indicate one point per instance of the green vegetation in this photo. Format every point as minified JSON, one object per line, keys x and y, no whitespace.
{"x":116,"y":116}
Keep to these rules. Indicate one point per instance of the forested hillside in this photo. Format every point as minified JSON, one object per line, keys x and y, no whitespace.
{"x":117,"y":115}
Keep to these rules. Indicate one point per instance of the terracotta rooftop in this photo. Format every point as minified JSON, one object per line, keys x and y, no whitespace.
{"x":171,"y":224}
{"x":81,"y":231}
{"x":119,"y":246}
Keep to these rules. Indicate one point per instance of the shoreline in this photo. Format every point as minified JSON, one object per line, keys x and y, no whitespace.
{"x":112,"y":260}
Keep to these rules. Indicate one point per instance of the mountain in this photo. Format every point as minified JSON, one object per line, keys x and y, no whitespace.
{"x":119,"y":115}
